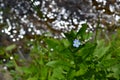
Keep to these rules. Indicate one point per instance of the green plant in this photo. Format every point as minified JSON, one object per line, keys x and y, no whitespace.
{"x":59,"y":59}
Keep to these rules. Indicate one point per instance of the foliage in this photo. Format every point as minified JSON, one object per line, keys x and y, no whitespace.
{"x":58,"y":59}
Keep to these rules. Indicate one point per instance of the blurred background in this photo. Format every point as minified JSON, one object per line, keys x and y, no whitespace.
{"x":20,"y":19}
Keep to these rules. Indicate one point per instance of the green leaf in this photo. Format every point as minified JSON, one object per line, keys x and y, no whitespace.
{"x":32,"y":78}
{"x":82,"y":31}
{"x":58,"y":63}
{"x":58,"y":74}
{"x":65,"y":43}
{"x":1,"y":51}
{"x":52,"y":42}
{"x":70,"y":36}
{"x":109,"y":62}
{"x":82,"y":70}
{"x":55,"y":44}
{"x":87,"y":50}
{"x":71,"y":74}
{"x":10,"y":64}
{"x":116,"y":70}
{"x":101,"y":49}
{"x":26,"y":70}
{"x":52,"y":63}
{"x":43,"y":72}
{"x":67,"y":54}
{"x":11,"y":47}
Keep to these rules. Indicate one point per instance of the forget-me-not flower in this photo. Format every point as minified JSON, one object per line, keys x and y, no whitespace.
{"x":76,"y":43}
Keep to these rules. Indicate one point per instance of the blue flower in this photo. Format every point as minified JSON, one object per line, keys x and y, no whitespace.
{"x":76,"y":43}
